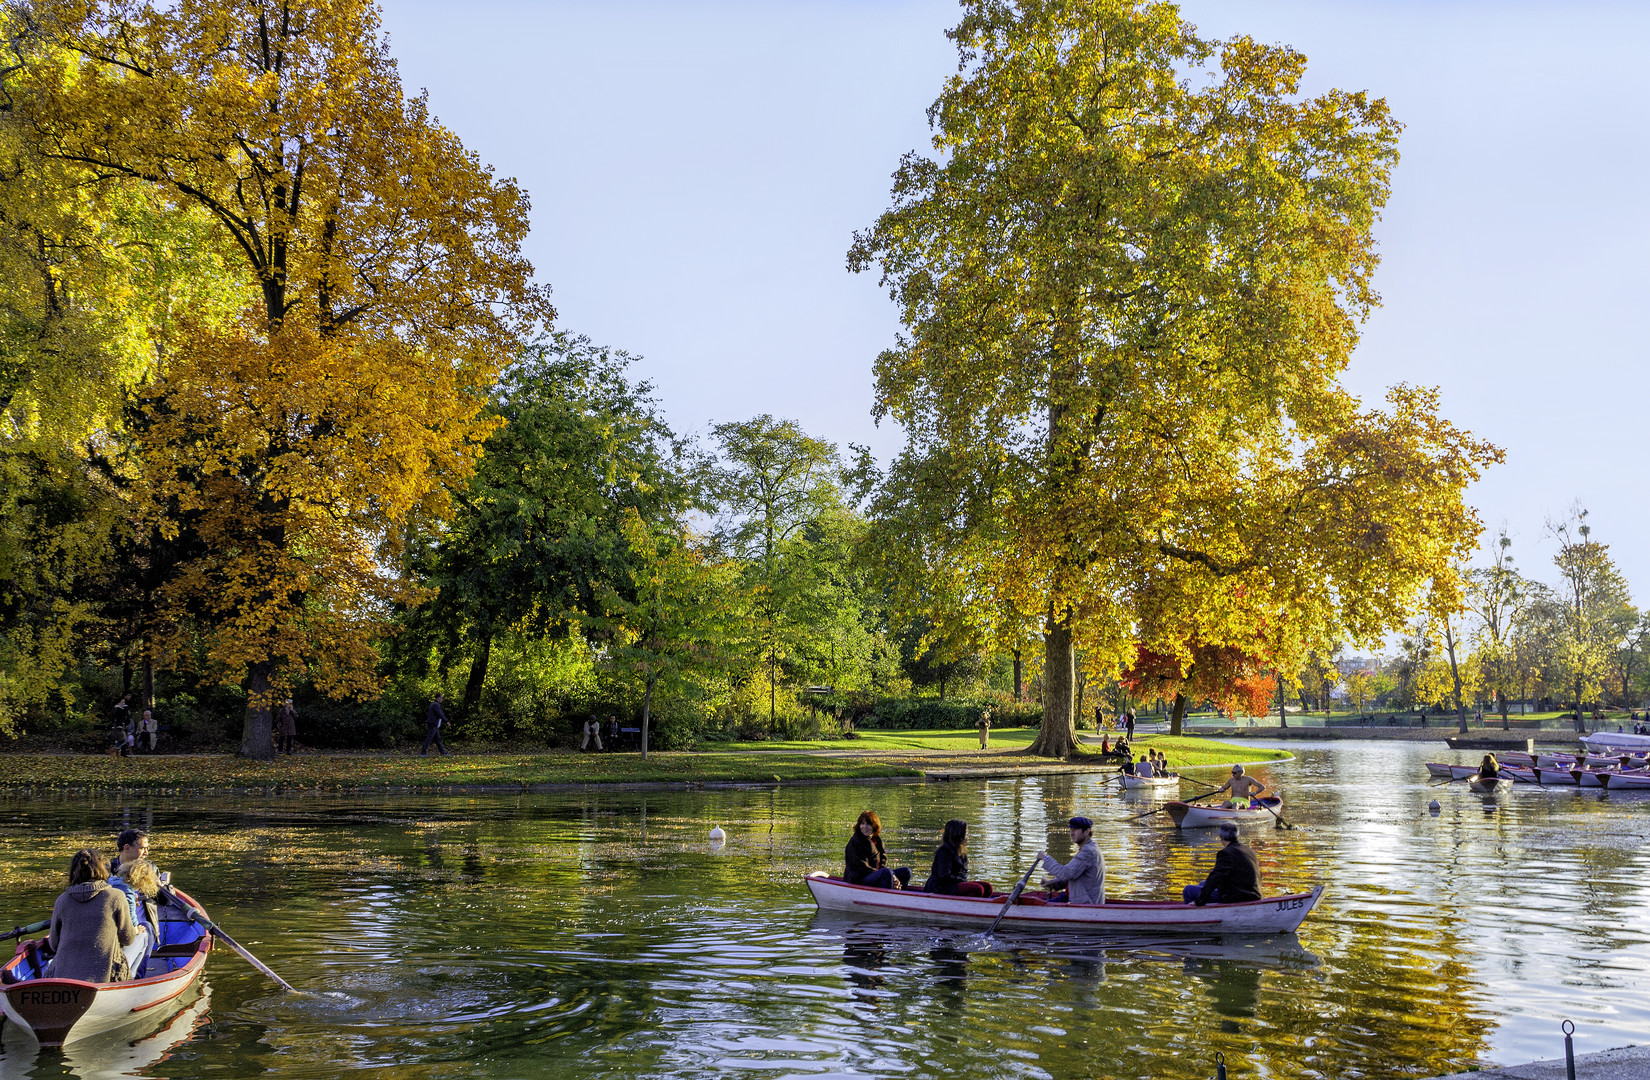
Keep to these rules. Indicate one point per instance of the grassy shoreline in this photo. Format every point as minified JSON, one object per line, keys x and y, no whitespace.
{"x":876,"y":756}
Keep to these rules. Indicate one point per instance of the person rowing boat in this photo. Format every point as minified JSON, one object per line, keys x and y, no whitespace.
{"x":1246,"y":790}
{"x":1489,"y":768}
{"x":1084,"y":877}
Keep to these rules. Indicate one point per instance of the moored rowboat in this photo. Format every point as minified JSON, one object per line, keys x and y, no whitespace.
{"x":57,"y":1011}
{"x":1273,"y":915}
{"x":1195,"y":816}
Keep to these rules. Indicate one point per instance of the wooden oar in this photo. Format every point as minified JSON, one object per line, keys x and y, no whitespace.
{"x":1013,"y":896}
{"x":32,"y":928}
{"x":196,"y":915}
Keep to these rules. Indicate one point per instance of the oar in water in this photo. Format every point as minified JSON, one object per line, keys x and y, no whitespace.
{"x":32,"y":928}
{"x":196,"y":915}
{"x":1282,"y":824}
{"x":1013,"y":896}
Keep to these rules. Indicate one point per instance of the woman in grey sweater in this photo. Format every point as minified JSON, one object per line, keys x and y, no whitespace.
{"x":91,"y":924}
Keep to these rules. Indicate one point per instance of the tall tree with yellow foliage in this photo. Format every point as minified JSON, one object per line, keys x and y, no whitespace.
{"x":1130,"y":275}
{"x":384,"y":288}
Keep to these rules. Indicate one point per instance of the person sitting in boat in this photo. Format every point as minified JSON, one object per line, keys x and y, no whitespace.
{"x":140,"y":881}
{"x":1236,"y":876}
{"x":130,"y":846}
{"x":948,"y":876}
{"x":865,"y":861}
{"x":91,"y":925}
{"x":1084,"y":877}
{"x":1246,"y":790}
{"x":1489,"y":768}
{"x":1144,"y":768}
{"x":1163,"y":764}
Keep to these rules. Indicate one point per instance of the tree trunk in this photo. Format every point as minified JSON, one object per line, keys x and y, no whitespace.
{"x":1581,"y":725}
{"x":647,"y":707}
{"x":257,"y":737}
{"x":773,"y":690}
{"x":478,"y":675}
{"x":148,"y":679}
{"x":1179,"y":714}
{"x":1501,"y":699}
{"x":1019,"y":678}
{"x":1455,"y":674}
{"x":1058,"y":736}
{"x":1283,"y":706}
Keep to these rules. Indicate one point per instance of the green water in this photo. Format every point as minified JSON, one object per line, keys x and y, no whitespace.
{"x":601,"y":934}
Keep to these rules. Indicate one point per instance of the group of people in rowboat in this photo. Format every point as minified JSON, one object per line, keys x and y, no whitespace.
{"x":1081,"y":880}
{"x":1152,"y":763}
{"x":105,"y":924}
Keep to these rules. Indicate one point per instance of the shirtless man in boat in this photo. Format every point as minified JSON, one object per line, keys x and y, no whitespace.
{"x":1245,"y":789}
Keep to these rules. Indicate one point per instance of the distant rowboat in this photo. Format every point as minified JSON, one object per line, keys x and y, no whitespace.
{"x":1273,"y":915}
{"x":1151,"y":783}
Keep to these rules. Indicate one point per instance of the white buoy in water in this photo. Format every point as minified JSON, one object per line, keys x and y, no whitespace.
{"x":1434,"y":807}
{"x":717,"y":835}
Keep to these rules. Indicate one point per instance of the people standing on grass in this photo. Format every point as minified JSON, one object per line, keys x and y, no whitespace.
{"x":984,"y":728}
{"x":1128,"y":725}
{"x":286,"y":727}
{"x":434,"y":717}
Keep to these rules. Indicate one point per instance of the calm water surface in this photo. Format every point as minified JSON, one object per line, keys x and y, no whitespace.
{"x":586,"y":935}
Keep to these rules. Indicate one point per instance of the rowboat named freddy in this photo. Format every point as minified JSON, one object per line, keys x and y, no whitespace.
{"x":1273,"y":915}
{"x":57,"y":1011}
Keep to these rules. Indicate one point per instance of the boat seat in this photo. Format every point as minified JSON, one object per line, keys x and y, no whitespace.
{"x":180,"y":949}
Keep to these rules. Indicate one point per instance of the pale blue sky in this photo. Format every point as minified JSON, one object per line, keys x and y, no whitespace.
{"x":697,"y":170}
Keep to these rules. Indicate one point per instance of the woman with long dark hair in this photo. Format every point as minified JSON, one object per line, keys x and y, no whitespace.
{"x":91,"y":925}
{"x":948,"y":874}
{"x":865,"y":861}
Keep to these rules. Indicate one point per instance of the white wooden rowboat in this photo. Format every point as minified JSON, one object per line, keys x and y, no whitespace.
{"x":1615,"y":742}
{"x":1151,"y":783}
{"x":58,"y":1011}
{"x":1273,"y":915}
{"x":1552,"y":777}
{"x":1439,"y":771}
{"x":1627,"y":781}
{"x":1197,"y":816}
{"x":1498,"y":786}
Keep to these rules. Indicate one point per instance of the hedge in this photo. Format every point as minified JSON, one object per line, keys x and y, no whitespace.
{"x":935,"y":714}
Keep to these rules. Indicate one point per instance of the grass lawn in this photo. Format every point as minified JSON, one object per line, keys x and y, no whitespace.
{"x":883,"y":754}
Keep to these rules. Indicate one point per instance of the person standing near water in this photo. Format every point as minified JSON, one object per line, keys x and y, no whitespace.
{"x":286,"y":727}
{"x":434,"y":717}
{"x":1128,"y":725}
{"x":984,"y":727}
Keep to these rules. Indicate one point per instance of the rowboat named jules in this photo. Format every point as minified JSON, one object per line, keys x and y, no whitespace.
{"x":1151,"y":783}
{"x":1196,"y":816}
{"x":1273,"y":915}
{"x":58,"y":1011}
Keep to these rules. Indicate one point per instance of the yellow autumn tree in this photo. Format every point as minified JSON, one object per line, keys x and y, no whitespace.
{"x":384,"y":288}
{"x":1130,"y":274}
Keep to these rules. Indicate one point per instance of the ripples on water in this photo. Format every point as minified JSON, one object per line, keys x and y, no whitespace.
{"x":603,"y":935}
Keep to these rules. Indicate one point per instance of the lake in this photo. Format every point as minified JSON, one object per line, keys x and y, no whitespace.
{"x":600,"y":934}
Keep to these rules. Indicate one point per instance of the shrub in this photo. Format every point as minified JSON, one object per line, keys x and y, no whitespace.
{"x":909,"y":714}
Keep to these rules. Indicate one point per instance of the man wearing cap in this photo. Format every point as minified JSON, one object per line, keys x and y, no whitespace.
{"x":1085,"y":875}
{"x":1236,"y":876}
{"x":1244,"y":789}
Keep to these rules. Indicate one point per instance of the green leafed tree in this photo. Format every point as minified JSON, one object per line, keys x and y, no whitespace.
{"x":1130,"y":273}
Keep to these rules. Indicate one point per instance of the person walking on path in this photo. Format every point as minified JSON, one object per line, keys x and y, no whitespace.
{"x":1128,"y":725}
{"x":434,"y":717}
{"x":984,"y":727}
{"x":286,"y":727}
